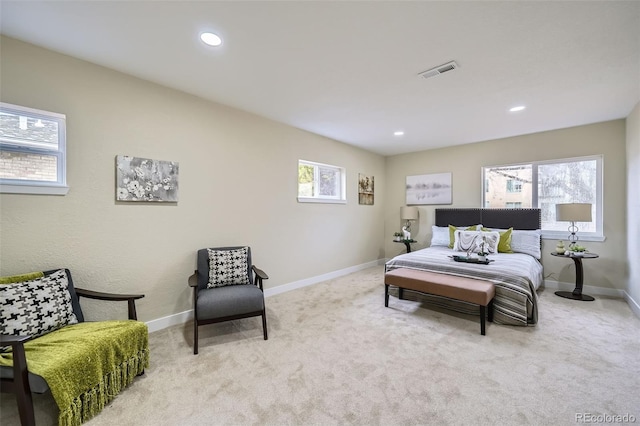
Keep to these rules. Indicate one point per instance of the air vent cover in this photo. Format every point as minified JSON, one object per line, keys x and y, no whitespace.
{"x":440,"y":69}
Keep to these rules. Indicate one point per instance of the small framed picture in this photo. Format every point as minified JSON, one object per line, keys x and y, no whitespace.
{"x":365,"y":189}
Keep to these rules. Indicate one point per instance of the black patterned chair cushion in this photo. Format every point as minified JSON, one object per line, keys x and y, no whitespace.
{"x":36,"y":307}
{"x":228,"y":267}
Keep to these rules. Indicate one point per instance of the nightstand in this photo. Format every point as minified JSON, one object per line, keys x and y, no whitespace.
{"x":407,"y":244}
{"x":576,"y":294}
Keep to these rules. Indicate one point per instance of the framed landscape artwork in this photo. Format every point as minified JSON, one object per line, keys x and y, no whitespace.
{"x":429,"y":189}
{"x":365,"y":189}
{"x":143,"y":179}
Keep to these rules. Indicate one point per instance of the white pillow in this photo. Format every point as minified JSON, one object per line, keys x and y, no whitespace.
{"x":527,"y":242}
{"x":439,"y":236}
{"x":472,"y":241}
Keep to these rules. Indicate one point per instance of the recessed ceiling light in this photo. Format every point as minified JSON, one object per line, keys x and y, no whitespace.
{"x":398,"y":133}
{"x":211,"y":39}
{"x":517,"y":108}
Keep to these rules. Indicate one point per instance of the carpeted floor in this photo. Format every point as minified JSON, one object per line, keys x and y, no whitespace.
{"x":336,"y":355}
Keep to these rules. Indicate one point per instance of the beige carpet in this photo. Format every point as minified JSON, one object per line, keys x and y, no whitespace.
{"x":336,"y":355}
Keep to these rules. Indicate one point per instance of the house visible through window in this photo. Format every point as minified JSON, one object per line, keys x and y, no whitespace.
{"x":514,"y":185}
{"x":545,"y":184}
{"x":320,"y":183}
{"x":32,"y":151}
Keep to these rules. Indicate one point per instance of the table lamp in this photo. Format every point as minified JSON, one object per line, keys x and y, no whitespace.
{"x":573,"y":212}
{"x":408,"y":213}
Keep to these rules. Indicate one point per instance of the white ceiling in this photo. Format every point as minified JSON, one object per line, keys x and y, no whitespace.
{"x":349,"y":70}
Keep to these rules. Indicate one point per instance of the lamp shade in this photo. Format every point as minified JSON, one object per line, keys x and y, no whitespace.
{"x":409,"y":213}
{"x":573,"y":212}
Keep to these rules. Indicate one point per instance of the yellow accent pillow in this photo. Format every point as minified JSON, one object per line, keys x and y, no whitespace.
{"x":504,"y":245}
{"x":20,"y":278}
{"x":452,"y":233}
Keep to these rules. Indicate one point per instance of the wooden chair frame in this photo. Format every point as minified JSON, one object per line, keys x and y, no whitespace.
{"x":19,"y":384}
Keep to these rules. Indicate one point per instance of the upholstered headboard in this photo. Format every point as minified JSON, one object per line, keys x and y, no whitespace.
{"x":525,"y":219}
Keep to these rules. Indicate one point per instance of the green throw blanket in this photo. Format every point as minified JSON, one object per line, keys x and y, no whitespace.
{"x":87,"y":364}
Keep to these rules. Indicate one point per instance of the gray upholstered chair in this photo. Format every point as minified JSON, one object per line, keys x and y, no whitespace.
{"x":226,"y":286}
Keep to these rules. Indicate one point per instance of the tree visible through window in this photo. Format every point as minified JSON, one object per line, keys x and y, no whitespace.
{"x":545,"y":184}
{"x":320,"y":182}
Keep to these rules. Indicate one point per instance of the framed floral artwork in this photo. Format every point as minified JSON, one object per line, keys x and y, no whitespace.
{"x":143,"y":179}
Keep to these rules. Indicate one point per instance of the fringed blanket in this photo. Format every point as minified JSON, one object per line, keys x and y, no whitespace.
{"x":516,"y":277}
{"x":87,"y":364}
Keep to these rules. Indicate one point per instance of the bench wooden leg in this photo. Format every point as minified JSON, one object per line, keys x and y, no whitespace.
{"x":400,"y":293}
{"x":386,"y":295}
{"x":490,"y":307}
{"x":482,"y":322}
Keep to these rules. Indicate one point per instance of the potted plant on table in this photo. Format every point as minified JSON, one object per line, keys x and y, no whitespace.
{"x":577,"y":250}
{"x":397,"y":236}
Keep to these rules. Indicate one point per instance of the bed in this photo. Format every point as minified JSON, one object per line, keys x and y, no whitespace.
{"x":516,"y":276}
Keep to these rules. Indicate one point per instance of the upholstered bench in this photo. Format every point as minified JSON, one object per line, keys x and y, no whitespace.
{"x":469,"y":290}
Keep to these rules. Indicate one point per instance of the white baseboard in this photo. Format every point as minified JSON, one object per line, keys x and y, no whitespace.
{"x":635,"y":307}
{"x":587,"y":289}
{"x":182,"y":317}
{"x":168,"y":321}
{"x":596,"y":291}
{"x":319,"y":278}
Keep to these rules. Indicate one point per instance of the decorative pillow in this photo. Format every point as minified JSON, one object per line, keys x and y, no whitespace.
{"x":504,"y":246}
{"x":472,"y":241}
{"x":527,"y":242}
{"x":452,"y":230}
{"x":36,"y":307}
{"x":439,"y":236}
{"x":228,"y":267}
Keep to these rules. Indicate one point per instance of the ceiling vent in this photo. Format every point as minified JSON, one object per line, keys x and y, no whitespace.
{"x":440,"y":69}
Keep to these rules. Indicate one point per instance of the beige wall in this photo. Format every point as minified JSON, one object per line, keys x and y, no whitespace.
{"x":238,"y":186}
{"x":633,"y":203}
{"x":466,"y":161}
{"x":238,"y":175}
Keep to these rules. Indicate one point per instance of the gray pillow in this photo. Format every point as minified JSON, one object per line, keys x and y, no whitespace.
{"x":527,"y":242}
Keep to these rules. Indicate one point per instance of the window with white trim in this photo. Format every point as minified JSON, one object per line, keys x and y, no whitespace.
{"x":545,"y":184}
{"x":321,"y":183}
{"x":32,"y":151}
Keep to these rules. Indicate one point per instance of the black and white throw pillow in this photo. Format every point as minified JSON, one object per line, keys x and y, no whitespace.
{"x":36,"y":307}
{"x":228,"y":267}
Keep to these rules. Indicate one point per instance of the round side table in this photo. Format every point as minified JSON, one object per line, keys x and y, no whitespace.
{"x":576,"y":294}
{"x":407,"y":243}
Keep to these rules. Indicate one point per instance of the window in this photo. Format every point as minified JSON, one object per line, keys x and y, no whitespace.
{"x":320,"y":183}
{"x":32,"y":151}
{"x":545,"y":184}
{"x":514,"y":185}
